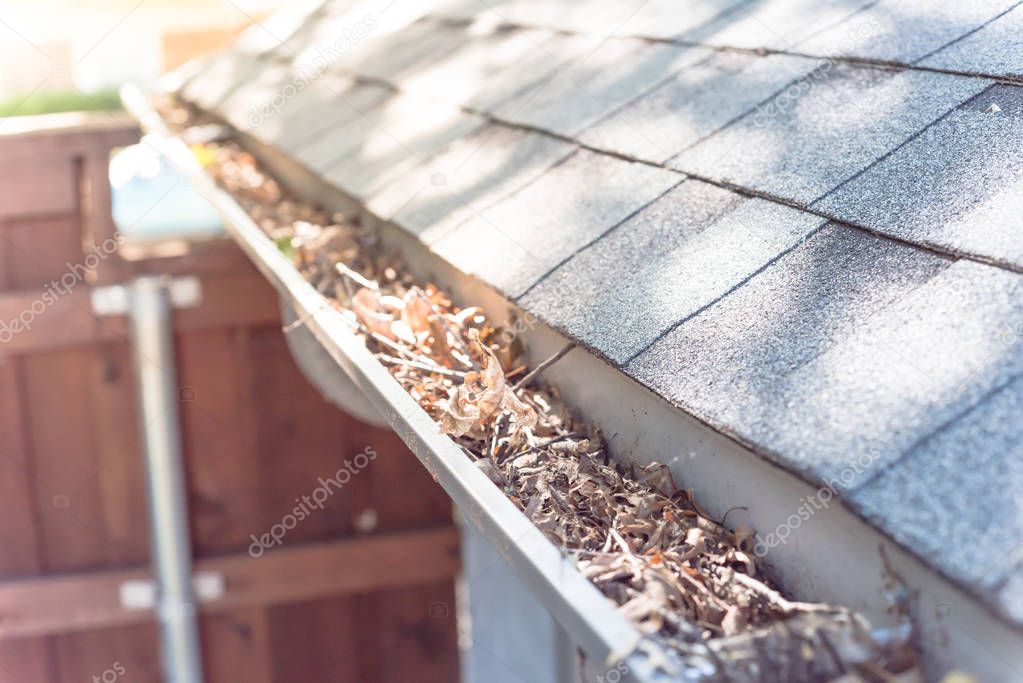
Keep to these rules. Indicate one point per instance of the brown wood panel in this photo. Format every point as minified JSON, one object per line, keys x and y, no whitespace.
{"x":237,"y":647}
{"x":302,"y":438}
{"x":26,"y":661}
{"x":62,"y":418}
{"x":41,"y":250}
{"x":18,"y":488}
{"x":295,"y":573}
{"x":121,"y":518}
{"x":133,"y":650}
{"x":256,"y":437}
{"x":418,"y":622}
{"x":27,"y":140}
{"x":38,"y":320}
{"x":317,"y":640}
{"x":46,"y":187}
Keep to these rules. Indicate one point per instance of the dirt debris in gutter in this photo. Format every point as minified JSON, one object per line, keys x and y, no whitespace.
{"x":677,"y":574}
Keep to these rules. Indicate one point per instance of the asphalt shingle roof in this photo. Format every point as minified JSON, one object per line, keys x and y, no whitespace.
{"x":992,"y":49}
{"x":824,"y":128}
{"x":799,"y":221}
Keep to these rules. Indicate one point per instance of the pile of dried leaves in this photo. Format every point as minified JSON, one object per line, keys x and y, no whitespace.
{"x":674,"y":571}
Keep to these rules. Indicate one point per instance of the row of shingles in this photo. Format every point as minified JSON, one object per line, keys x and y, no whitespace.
{"x":378,"y":150}
{"x":991,"y":49}
{"x":356,"y":133}
{"x":848,"y":291}
{"x":560,"y":180}
{"x":943,"y":205}
{"x":564,"y":107}
{"x":485,"y":203}
{"x":399,"y":131}
{"x":210,"y":81}
{"x":800,"y":173}
{"x":838,"y":139}
{"x":879,"y":369}
{"x":701,"y":103}
{"x":508,"y":236}
{"x":520,"y":239}
{"x":515,"y":244}
{"x":971,"y":37}
{"x":473,"y":173}
{"x":966,"y":37}
{"x":954,"y":187}
{"x":888,"y":387}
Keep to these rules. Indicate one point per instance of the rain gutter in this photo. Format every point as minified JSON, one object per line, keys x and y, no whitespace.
{"x":590,"y":621}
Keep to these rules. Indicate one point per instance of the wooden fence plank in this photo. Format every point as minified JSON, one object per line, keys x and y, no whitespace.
{"x":59,"y":604}
{"x":37,"y":320}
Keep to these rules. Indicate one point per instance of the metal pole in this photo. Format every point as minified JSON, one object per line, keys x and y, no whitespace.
{"x":155,"y":375}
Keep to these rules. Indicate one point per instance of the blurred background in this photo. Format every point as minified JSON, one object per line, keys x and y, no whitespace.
{"x":362,"y":587}
{"x":68,"y":55}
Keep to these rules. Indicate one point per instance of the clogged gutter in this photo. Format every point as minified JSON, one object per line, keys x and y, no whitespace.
{"x":679,"y":575}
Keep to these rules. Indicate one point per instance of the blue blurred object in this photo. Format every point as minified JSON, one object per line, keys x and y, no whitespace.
{"x":152,"y":202}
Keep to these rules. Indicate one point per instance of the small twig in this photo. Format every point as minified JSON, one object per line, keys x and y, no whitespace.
{"x":438,"y":369}
{"x":775,"y":599}
{"x":393,"y":345}
{"x":357,"y":278}
{"x":543,"y":366}
{"x":454,"y":335}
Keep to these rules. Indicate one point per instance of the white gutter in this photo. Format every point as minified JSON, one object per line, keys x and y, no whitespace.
{"x":589,"y":619}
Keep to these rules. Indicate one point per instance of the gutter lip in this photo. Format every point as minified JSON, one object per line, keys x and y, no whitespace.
{"x":591,"y":620}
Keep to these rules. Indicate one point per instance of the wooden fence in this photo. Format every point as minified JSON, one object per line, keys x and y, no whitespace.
{"x":360,"y":590}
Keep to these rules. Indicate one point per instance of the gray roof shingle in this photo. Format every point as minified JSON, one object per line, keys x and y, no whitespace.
{"x":994,"y":49}
{"x":945,"y":482}
{"x":591,"y":82}
{"x":394,"y":138}
{"x":694,"y":103}
{"x":467,"y":177}
{"x":676,"y":256}
{"x":903,"y":30}
{"x":825,"y":128}
{"x":774,"y":24}
{"x":957,"y":186}
{"x":518,"y":240}
{"x":785,"y":360}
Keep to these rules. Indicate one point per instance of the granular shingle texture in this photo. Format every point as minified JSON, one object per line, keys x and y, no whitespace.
{"x":800,"y":221}
{"x":592,"y":83}
{"x":958,"y":185}
{"x":825,"y":128}
{"x":786,"y":361}
{"x":395,"y":138}
{"x":946,"y":482}
{"x":342,"y":118}
{"x":514,"y":243}
{"x":465,"y":178}
{"x":675,"y":257}
{"x":693,"y":104}
{"x":903,"y":30}
{"x":993,"y":50}
{"x":774,"y":24}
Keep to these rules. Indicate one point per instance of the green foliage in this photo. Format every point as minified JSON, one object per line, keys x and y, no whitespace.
{"x":51,"y":101}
